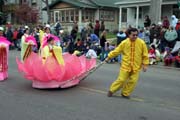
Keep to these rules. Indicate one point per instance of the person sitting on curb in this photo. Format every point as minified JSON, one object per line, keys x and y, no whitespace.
{"x":168,"y":57}
{"x":177,"y":60}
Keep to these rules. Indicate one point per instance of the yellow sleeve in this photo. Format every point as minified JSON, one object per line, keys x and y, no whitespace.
{"x":24,"y":46}
{"x":41,"y":34}
{"x":118,"y":50}
{"x":58,"y":54}
{"x":45,"y":52}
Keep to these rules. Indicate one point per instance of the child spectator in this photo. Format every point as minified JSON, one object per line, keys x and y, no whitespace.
{"x":91,"y":54}
{"x":168,"y":57}
{"x":152,"y":55}
{"x":177,"y":60}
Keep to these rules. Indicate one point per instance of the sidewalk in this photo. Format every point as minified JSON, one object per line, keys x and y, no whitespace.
{"x":161,"y":65}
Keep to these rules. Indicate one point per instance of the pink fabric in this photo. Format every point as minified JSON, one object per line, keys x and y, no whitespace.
{"x":52,"y":74}
{"x":47,"y":37}
{"x":31,"y":38}
{"x":4,"y":75}
{"x":4,"y":40}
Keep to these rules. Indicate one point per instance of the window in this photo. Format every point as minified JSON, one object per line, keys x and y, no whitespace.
{"x":140,"y":13}
{"x":124,"y":15}
{"x":88,"y":15}
{"x":63,"y":16}
{"x":34,"y":2}
{"x":176,"y":11}
{"x":72,"y":16}
{"x":56,"y":16}
{"x":68,"y":15}
{"x":107,"y":15}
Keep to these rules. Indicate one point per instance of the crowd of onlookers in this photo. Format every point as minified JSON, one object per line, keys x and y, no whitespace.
{"x":162,"y":39}
{"x":91,"y":40}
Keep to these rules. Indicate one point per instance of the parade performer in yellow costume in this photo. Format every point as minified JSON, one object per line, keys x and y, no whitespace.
{"x":49,"y":49}
{"x":27,"y":42}
{"x":135,"y":57}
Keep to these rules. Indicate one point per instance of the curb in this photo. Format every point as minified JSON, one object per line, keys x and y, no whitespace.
{"x":164,"y":67}
{"x":157,"y":66}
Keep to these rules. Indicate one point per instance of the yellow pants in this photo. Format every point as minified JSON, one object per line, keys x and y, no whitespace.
{"x":127,"y":81}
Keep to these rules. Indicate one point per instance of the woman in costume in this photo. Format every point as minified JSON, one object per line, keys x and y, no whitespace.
{"x":54,"y":70}
{"x":47,"y":31}
{"x":27,"y":42}
{"x":4,"y":49}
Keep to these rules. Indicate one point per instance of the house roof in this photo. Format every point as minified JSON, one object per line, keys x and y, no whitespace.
{"x":106,"y":3}
{"x":131,"y":1}
{"x":121,"y":2}
{"x":75,"y":3}
{"x":86,"y":3}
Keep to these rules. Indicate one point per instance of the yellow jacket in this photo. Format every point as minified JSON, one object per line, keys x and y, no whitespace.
{"x":41,"y":34}
{"x":135,"y":54}
{"x":57,"y":53}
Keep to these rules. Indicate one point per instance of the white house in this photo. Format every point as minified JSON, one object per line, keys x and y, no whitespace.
{"x":137,"y":9}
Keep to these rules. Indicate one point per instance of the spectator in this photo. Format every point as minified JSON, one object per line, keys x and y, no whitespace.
{"x":102,"y":27}
{"x":171,"y":36}
{"x":152,"y":55}
{"x":147,"y":21}
{"x":165,"y":23}
{"x":178,"y":25}
{"x":168,"y":57}
{"x":177,"y":60}
{"x":15,"y":40}
{"x":147,"y":36}
{"x":102,"y":43}
{"x":74,"y":31}
{"x":97,"y":28}
{"x":57,"y":27}
{"x":174,"y":21}
{"x":120,"y":37}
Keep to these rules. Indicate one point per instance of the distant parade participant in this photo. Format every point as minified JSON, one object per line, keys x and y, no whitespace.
{"x":135,"y":57}
{"x":27,"y":43}
{"x":43,"y":35}
{"x":4,"y":49}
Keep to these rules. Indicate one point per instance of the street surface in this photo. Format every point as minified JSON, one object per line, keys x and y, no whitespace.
{"x":156,"y":97}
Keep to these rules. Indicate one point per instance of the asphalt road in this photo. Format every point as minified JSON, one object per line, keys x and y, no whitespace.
{"x":156,"y":97}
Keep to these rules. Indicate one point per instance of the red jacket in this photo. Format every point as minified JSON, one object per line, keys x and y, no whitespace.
{"x":178,"y":26}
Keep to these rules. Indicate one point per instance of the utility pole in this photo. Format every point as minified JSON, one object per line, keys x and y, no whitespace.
{"x":155,"y":11}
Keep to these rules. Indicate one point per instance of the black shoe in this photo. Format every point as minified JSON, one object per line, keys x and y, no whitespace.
{"x":127,"y":97}
{"x":109,"y":94}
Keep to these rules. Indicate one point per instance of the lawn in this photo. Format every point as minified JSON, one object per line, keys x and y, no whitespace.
{"x":110,"y":35}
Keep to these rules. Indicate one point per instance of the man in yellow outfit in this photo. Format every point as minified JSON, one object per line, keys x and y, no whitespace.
{"x":135,"y":57}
